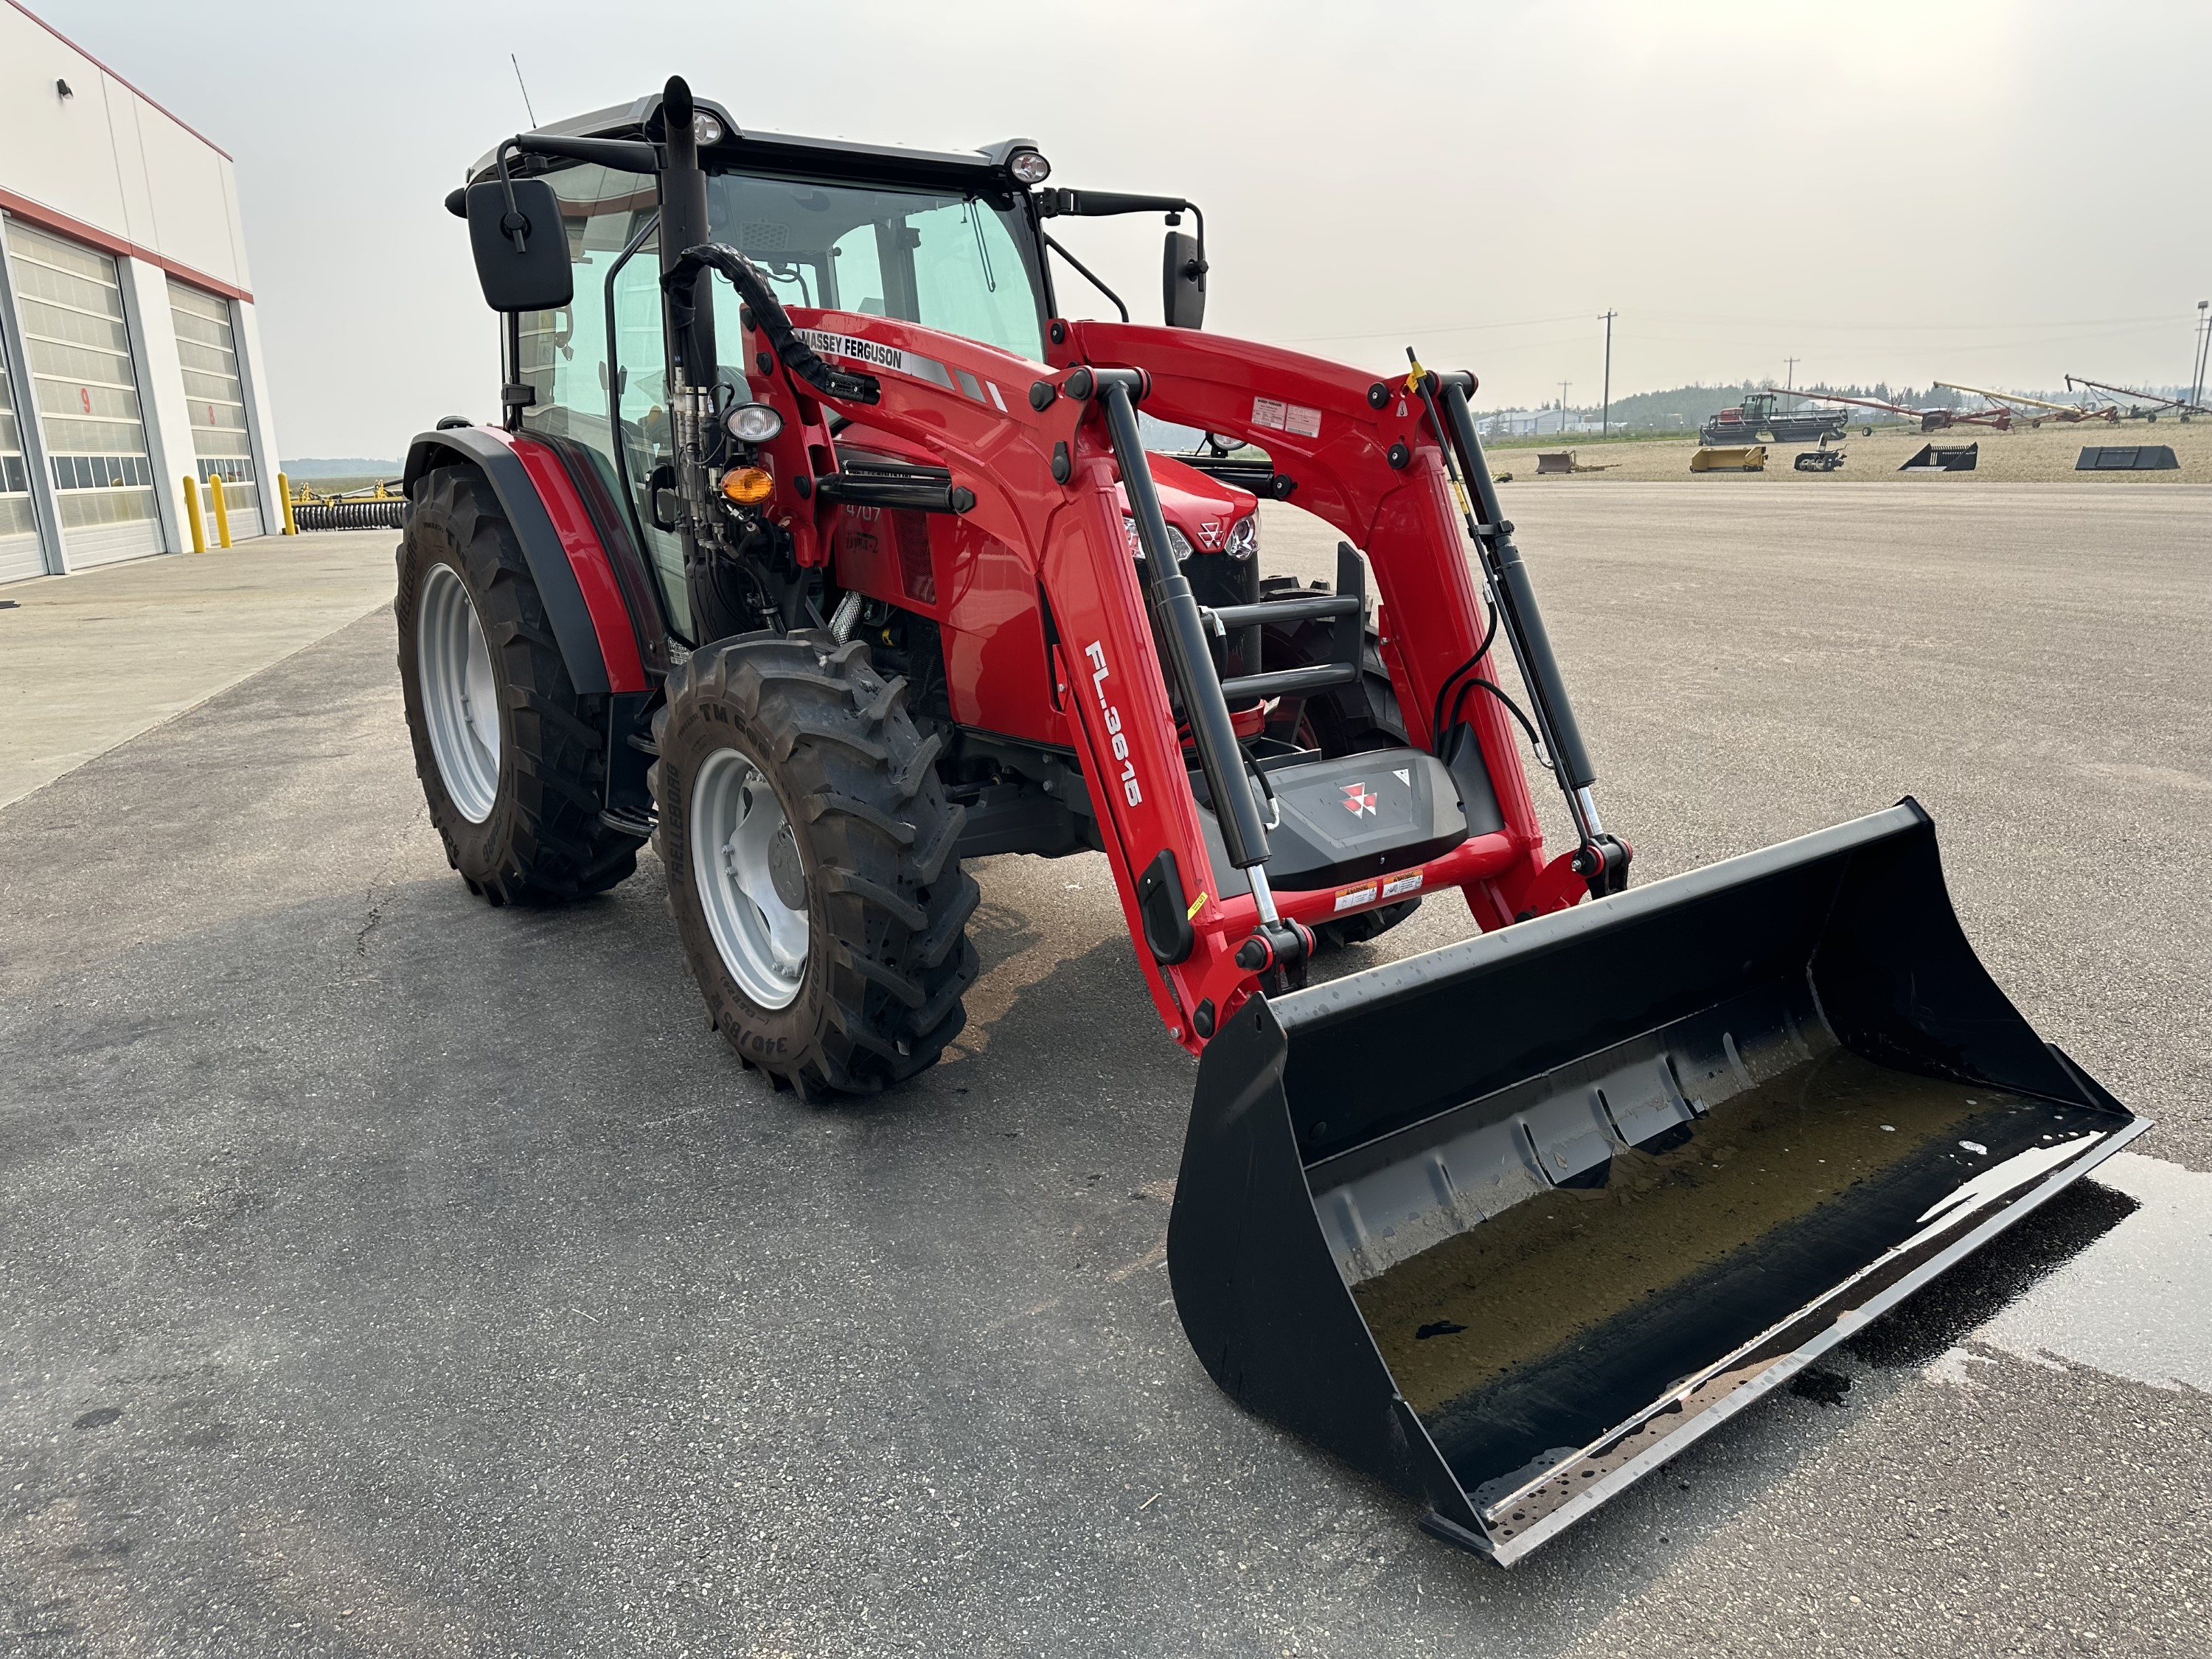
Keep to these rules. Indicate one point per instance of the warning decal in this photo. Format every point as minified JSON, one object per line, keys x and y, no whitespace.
{"x":1281,"y":416}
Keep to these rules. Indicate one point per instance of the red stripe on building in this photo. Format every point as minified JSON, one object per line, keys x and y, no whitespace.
{"x":36,"y":213}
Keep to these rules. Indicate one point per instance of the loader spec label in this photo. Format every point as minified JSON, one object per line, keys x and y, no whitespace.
{"x":1294,"y":418}
{"x":1371,"y":892}
{"x":1131,"y":791}
{"x":877,"y":354}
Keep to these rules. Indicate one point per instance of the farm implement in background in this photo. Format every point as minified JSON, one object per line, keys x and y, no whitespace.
{"x":379,"y":505}
{"x":1930,"y":420}
{"x":2145,"y":406}
{"x":1758,"y":416}
{"x":2034,"y":411}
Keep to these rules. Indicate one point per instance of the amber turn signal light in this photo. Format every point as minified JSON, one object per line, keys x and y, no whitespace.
{"x":748,"y":486}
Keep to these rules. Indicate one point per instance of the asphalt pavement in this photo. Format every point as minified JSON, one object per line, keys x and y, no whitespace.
{"x":384,"y":1273}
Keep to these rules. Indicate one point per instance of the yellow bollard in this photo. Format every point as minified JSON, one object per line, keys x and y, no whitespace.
{"x":221,"y":513}
{"x":192,"y":514}
{"x":284,"y":494}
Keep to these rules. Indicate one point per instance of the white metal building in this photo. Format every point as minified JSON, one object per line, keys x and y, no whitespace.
{"x":129,"y":358}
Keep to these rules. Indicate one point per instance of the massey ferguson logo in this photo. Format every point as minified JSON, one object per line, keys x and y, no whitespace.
{"x":1209,"y":533}
{"x":1130,"y":791}
{"x":1359,"y":800}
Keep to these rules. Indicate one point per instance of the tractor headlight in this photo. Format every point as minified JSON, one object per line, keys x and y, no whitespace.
{"x":1243,"y":537}
{"x":753,"y":424}
{"x":1029,"y":167}
{"x":1178,"y":543}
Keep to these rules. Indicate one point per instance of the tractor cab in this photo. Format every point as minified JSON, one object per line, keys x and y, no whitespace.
{"x":953,"y":241}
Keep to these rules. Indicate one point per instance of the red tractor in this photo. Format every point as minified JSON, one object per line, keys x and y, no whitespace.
{"x":819,"y":546}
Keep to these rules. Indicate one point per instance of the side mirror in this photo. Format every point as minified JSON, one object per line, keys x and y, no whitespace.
{"x":522,"y":257}
{"x":1182,"y":277}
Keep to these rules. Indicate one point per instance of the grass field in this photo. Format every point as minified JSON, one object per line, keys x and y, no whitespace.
{"x":2019,"y":456}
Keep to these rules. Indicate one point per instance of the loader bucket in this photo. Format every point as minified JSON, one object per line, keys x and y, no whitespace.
{"x":1509,"y":1224}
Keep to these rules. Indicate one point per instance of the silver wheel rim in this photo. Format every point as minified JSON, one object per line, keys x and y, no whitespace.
{"x":746,"y":864}
{"x":460,"y":697}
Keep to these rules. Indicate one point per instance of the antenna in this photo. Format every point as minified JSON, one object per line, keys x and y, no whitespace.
{"x":532,"y":113}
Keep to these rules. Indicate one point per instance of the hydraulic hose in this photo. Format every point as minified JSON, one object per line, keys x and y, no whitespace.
{"x":769,"y":316}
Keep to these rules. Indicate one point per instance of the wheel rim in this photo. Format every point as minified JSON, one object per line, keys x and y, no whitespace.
{"x":746,"y":864}
{"x":460,"y":697}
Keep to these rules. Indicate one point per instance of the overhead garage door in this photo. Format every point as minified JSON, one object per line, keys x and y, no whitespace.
{"x":87,"y":393}
{"x":208,"y":352}
{"x":19,"y":532}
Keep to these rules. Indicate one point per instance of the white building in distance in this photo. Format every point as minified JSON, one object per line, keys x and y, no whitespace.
{"x":129,"y":358}
{"x":1532,"y":422}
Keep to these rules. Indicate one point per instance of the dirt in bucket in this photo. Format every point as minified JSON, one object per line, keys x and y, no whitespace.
{"x":1526,"y":1284}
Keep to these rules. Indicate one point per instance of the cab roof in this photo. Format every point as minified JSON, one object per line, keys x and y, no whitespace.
{"x":790,"y":154}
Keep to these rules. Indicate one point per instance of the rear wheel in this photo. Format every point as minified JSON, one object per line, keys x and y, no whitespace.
{"x":511,"y":758}
{"x":808,"y":848}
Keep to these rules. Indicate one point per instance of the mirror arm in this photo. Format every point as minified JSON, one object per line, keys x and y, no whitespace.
{"x":649,"y":224}
{"x":623,"y":154}
{"x":1085,"y":272}
{"x":514,"y":224}
{"x":1104,"y":203}
{"x":1176,"y":217}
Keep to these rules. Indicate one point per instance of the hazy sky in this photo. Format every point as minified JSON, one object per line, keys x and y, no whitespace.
{"x":1992,"y":193}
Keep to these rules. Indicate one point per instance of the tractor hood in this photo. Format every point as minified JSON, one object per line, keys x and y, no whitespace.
{"x":1201,"y":508}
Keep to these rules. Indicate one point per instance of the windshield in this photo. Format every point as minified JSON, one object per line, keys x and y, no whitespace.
{"x":962,"y":264}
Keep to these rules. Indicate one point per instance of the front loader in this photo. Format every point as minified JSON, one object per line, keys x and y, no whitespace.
{"x":817,"y":546}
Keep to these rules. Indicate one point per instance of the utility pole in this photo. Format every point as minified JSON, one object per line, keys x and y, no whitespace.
{"x":2203,"y":349}
{"x":1604,"y":418}
{"x":1563,"y":384}
{"x":1789,"y":380}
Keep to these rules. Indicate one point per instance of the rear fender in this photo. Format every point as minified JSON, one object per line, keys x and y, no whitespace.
{"x":584,"y":602}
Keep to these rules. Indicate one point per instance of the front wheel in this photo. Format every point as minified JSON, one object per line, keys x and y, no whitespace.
{"x":808,"y":848}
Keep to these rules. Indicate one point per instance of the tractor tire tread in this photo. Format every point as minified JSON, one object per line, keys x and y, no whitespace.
{"x":883,"y":993}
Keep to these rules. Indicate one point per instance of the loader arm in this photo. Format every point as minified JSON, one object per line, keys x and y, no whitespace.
{"x":1034,"y":467}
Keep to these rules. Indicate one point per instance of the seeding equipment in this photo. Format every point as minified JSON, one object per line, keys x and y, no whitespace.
{"x":818,"y":545}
